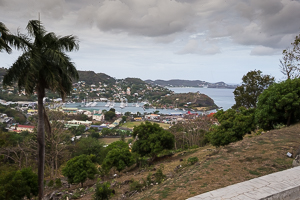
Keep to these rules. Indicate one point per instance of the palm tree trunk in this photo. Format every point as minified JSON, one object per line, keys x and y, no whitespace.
{"x":41,"y":143}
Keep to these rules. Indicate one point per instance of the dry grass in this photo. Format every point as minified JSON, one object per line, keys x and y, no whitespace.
{"x":111,"y":140}
{"x":132,"y":124}
{"x":247,"y":159}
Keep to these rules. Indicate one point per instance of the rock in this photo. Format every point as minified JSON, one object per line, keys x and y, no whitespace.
{"x":113,"y":184}
{"x":296,"y":162}
{"x":127,"y":182}
{"x":181,"y":160}
{"x":52,"y":195}
{"x":170,"y":175}
{"x":154,"y":169}
{"x":197,"y":163}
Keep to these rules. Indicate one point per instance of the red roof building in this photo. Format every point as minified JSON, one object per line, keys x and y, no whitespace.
{"x":25,"y":128}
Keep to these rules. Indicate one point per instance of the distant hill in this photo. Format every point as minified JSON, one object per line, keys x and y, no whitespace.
{"x":189,"y":83}
{"x":177,"y":83}
{"x":136,"y":81}
{"x":90,"y":77}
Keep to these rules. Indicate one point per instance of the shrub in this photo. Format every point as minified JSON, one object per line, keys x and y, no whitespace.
{"x":159,"y":176}
{"x":50,"y":183}
{"x":103,"y":191}
{"x":135,"y":185}
{"x":58,"y":183}
{"x":18,"y":184}
{"x":193,"y":160}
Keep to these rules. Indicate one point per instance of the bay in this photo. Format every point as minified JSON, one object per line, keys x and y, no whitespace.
{"x":223,"y":98}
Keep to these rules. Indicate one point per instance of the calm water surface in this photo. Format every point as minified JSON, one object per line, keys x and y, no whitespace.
{"x":222,"y":97}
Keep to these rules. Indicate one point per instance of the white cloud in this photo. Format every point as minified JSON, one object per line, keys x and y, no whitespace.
{"x":262,"y":51}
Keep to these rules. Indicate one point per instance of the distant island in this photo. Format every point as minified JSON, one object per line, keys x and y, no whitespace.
{"x":190,"y":83}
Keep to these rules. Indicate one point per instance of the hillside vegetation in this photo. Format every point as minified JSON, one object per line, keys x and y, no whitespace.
{"x":255,"y":156}
{"x":190,"y":100}
{"x":90,"y":77}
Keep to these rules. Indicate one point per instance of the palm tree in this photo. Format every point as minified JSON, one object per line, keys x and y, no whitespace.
{"x":7,"y":39}
{"x":43,"y":65}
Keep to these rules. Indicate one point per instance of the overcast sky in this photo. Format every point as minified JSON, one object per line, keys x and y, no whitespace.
{"x":210,"y":40}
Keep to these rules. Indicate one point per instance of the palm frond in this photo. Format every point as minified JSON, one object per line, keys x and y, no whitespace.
{"x":3,"y":39}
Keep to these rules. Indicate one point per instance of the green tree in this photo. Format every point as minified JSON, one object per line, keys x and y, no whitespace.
{"x":116,"y":145}
{"x":110,"y":114}
{"x":119,"y":158}
{"x":127,"y":114}
{"x":279,"y":104}
{"x":106,"y":131}
{"x":151,"y":139}
{"x":90,"y":146}
{"x":43,"y":65}
{"x":233,"y":126}
{"x":94,"y":133}
{"x":254,"y":83}
{"x":80,"y":130}
{"x":18,"y":184}
{"x":79,"y":168}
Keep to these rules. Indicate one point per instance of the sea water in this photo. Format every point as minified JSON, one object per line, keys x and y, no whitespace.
{"x":223,"y":98}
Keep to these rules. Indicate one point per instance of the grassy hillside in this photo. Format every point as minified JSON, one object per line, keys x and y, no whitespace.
{"x":247,"y":159}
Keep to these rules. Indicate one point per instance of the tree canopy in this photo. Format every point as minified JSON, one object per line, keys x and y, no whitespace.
{"x":233,"y":126}
{"x":253,"y":85}
{"x":109,"y":115}
{"x":279,"y":104}
{"x":79,"y":168}
{"x":151,"y":139}
{"x":118,"y":156}
{"x":89,"y":146}
{"x":18,"y":184}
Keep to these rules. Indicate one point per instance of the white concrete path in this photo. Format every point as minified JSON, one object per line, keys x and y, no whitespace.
{"x":283,"y":185}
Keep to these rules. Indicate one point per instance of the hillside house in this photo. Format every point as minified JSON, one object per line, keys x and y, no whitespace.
{"x":28,"y":128}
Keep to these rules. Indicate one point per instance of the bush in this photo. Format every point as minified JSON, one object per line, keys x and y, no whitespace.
{"x":193,"y":160}
{"x":159,"y":176}
{"x":18,"y":184}
{"x":279,"y":105}
{"x":50,"y":183}
{"x":234,"y":125}
{"x":58,"y":183}
{"x":103,"y":191}
{"x":135,"y":185}
{"x":148,"y":180}
{"x":152,"y":139}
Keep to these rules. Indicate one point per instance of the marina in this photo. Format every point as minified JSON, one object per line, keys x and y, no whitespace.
{"x":223,"y":98}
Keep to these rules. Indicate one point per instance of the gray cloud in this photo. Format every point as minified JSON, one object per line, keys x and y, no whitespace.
{"x":202,"y":48}
{"x":263,"y":23}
